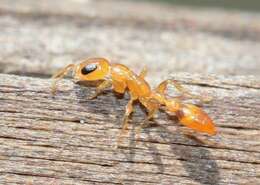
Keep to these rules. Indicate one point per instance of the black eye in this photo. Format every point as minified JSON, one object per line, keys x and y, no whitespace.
{"x":88,"y":69}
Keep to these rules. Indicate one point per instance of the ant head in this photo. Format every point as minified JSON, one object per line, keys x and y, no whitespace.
{"x":92,"y":69}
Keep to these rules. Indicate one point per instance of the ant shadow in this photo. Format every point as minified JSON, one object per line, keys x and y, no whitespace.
{"x":197,"y":161}
{"x":195,"y":158}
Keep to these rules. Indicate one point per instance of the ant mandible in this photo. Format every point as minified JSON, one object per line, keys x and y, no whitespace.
{"x":122,"y":79}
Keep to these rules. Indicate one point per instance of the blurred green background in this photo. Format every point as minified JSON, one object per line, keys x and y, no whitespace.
{"x":249,"y":5}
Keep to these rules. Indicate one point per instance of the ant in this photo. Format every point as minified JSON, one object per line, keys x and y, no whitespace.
{"x":122,"y":79}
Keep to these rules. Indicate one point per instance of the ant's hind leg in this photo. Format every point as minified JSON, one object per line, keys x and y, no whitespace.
{"x":184,"y":91}
{"x":59,"y":75}
{"x":203,"y":141}
{"x":104,"y":85}
{"x":162,"y":87}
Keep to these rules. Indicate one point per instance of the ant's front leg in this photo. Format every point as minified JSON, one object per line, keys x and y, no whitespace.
{"x":59,"y":75}
{"x":104,"y":85}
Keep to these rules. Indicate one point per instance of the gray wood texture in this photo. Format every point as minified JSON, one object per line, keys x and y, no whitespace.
{"x":68,"y":139}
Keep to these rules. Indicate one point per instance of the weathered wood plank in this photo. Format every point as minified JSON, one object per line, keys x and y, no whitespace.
{"x":235,"y":24}
{"x":41,"y":36}
{"x":68,"y":139}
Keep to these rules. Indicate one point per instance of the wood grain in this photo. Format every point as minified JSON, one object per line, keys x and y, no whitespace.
{"x":68,"y":139}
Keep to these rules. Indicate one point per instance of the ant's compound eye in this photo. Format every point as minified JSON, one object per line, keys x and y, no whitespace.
{"x":88,"y":69}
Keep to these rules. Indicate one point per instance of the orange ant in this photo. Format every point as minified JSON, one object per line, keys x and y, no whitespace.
{"x":122,"y":79}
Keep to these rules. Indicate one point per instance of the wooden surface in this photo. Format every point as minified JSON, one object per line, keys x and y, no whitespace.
{"x":68,"y":139}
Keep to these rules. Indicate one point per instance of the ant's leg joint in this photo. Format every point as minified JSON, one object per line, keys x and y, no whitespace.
{"x":104,"y":85}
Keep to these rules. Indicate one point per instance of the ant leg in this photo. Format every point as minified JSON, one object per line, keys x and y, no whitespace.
{"x":129,"y":110}
{"x":192,"y":136}
{"x":184,"y":91}
{"x":145,"y":124}
{"x":143,"y":73}
{"x":59,"y":75}
{"x":152,"y":106}
{"x":162,"y":87}
{"x":100,"y":89}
